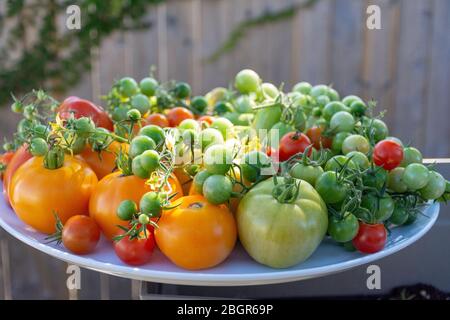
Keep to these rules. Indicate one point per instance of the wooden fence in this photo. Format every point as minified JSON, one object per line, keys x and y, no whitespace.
{"x":405,"y":66}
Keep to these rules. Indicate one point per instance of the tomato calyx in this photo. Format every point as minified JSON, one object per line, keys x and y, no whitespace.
{"x":57,"y":235}
{"x":286,"y":192}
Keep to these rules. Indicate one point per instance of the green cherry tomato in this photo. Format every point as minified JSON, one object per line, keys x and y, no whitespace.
{"x":41,"y":131}
{"x":17,"y":107}
{"x":359,"y":158}
{"x":376,"y":127}
{"x":224,"y":125}
{"x":395,"y":182}
{"x":336,"y":163}
{"x":119,"y":114}
{"x":141,"y":102}
{"x":411,"y":155}
{"x":148,"y":86}
{"x":199,"y":104}
{"x":38,"y":147}
{"x":400,"y":215}
{"x":78,"y":145}
{"x":270,"y":90}
{"x":138,"y":170}
{"x":416,"y":176}
{"x":342,"y":121}
{"x":330,"y":189}
{"x":150,"y":204}
{"x":304,"y":172}
{"x":375,"y":178}
{"x":218,"y":159}
{"x":84,"y":126}
{"x":333,"y":94}
{"x":134,"y":115}
{"x":348,"y":100}
{"x":217,"y":189}
{"x":223,"y":107}
{"x":182,"y":90}
{"x":244,"y":104}
{"x":141,"y":143}
{"x":128,"y":87}
{"x":331,"y":108}
{"x":199,"y":180}
{"x":435,"y":187}
{"x":149,"y":160}
{"x":126,"y":210}
{"x":143,"y":219}
{"x":355,"y":142}
{"x":343,"y":229}
{"x":319,"y":90}
{"x":252,"y":164}
{"x":154,"y":132}
{"x":189,"y":124}
{"x":381,"y":207}
{"x":247,"y":81}
{"x":210,"y":136}
{"x":338,"y":140}
{"x":302,"y":87}
{"x":358,"y":108}
{"x":322,"y":101}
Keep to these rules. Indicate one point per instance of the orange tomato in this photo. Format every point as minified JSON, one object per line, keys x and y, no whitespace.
{"x":196,"y":234}
{"x":208,"y":119}
{"x":103,"y":162}
{"x":20,"y":157}
{"x":5,"y":159}
{"x":157,"y":119}
{"x":112,"y":190}
{"x":184,"y":179}
{"x":178,"y":114}
{"x":37,"y":192}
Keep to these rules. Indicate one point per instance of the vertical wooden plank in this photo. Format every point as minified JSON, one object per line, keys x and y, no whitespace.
{"x":5,"y":269}
{"x":162,"y":42}
{"x":414,"y":44}
{"x":437,"y":131}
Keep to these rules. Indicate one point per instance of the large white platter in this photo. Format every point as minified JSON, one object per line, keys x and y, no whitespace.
{"x":239,"y":269}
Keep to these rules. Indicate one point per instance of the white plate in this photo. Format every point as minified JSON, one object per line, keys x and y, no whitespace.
{"x":239,"y":269}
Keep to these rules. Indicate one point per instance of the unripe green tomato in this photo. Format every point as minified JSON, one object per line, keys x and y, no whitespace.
{"x":138,"y":169}
{"x":323,"y":100}
{"x":38,"y":147}
{"x":360,"y":159}
{"x":150,"y":204}
{"x":78,"y":145}
{"x":154,"y":132}
{"x":435,"y":187}
{"x":355,"y":142}
{"x":148,"y":86}
{"x":217,"y":189}
{"x":182,"y":90}
{"x":41,"y":131}
{"x":225,"y":127}
{"x":305,"y":172}
{"x":28,"y":111}
{"x":217,"y":159}
{"x":399,"y":216}
{"x":411,"y":155}
{"x":120,"y":114}
{"x":128,"y":87}
{"x":143,"y":219}
{"x":126,"y":210}
{"x":17,"y":107}
{"x":189,"y":124}
{"x":416,"y":176}
{"x":199,"y":179}
{"x":134,"y":115}
{"x":210,"y":136}
{"x":141,"y":102}
{"x":348,"y":100}
{"x":199,"y":103}
{"x":344,"y":229}
{"x":358,"y":108}
{"x":247,"y":81}
{"x":223,"y":107}
{"x":302,"y":87}
{"x":84,"y":126}
{"x":395,"y":182}
{"x":319,"y":90}
{"x":338,"y":140}
{"x":149,"y":160}
{"x":333,"y":94}
{"x":252,"y":164}
{"x":139,"y":144}
{"x":342,"y":121}
{"x":331,"y":108}
{"x":270,"y":90}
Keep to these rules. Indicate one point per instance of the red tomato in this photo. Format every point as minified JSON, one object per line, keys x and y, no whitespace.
{"x":84,"y":108}
{"x":388,"y":154}
{"x":157,"y":119}
{"x":5,"y":159}
{"x":292,"y":143}
{"x":135,"y":252}
{"x":371,"y":238}
{"x":316,"y":137}
{"x":208,"y":119}
{"x":178,"y":114}
{"x":21,"y":156}
{"x":80,"y":234}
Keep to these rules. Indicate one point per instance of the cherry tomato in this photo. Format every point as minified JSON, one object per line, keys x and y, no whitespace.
{"x":178,"y":114}
{"x":207,"y":119}
{"x":317,"y":139}
{"x":411,"y":155}
{"x":371,"y":238}
{"x":217,"y":189}
{"x":342,"y":121}
{"x":292,"y":143}
{"x":330,"y":189}
{"x":247,"y":81}
{"x":148,"y":86}
{"x":84,"y":108}
{"x":388,"y":154}
{"x":5,"y":159}
{"x":381,"y":207}
{"x":355,"y":142}
{"x":21,"y":156}
{"x":80,"y":234}
{"x":157,"y":119}
{"x":343,"y":229}
{"x":218,"y":159}
{"x":182,"y":90}
{"x":135,"y":252}
{"x":416,"y":176}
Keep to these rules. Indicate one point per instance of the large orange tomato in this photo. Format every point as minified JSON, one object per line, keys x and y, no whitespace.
{"x":112,"y":190}
{"x":196,"y":234}
{"x":36,"y":193}
{"x":103,"y":162}
{"x":20,"y":157}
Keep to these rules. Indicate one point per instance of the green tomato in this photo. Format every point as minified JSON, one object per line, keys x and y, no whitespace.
{"x":134,"y":115}
{"x":358,"y":108}
{"x":199,"y":180}
{"x":378,"y":128}
{"x":375,"y":178}
{"x":435,"y":187}
{"x":41,"y":131}
{"x":338,"y":140}
{"x":416,"y":176}
{"x":150,"y":204}
{"x":270,"y":90}
{"x":333,"y":94}
{"x":141,"y":143}
{"x":355,"y":142}
{"x":381,"y":207}
{"x":78,"y":145}
{"x":348,"y":100}
{"x":148,"y":86}
{"x":319,"y":90}
{"x":182,"y":90}
{"x":281,"y":235}
{"x":342,"y":121}
{"x":317,"y":112}
{"x":302,"y":87}
{"x":411,"y":155}
{"x":244,"y":104}
{"x":330,"y":189}
{"x":343,"y":229}
{"x":252,"y":164}
{"x":299,"y":119}
{"x":84,"y":126}
{"x":225,"y":127}
{"x":400,"y":215}
{"x":189,"y":124}
{"x":17,"y":107}
{"x":141,"y":102}
{"x":120,"y":114}
{"x":126,"y":210}
{"x":223,"y":107}
{"x":304,"y":172}
{"x":331,"y":108}
{"x":143,"y":219}
{"x":128,"y":87}
{"x":217,"y":189}
{"x":360,"y":159}
{"x":336,"y":163}
{"x":247,"y":81}
{"x":217,"y":159}
{"x":137,"y":168}
{"x":149,"y":160}
{"x":154,"y":132}
{"x":395,"y":182}
{"x":266,"y":118}
{"x":210,"y":136}
{"x":38,"y":147}
{"x":199,"y":103}
{"x":322,"y":101}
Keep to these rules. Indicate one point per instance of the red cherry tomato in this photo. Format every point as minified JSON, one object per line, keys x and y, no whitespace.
{"x":316,"y":137}
{"x":21,"y":156}
{"x":6,"y":157}
{"x":388,"y":154}
{"x":178,"y":114}
{"x":135,"y":252}
{"x":292,"y":143}
{"x":84,"y":108}
{"x":371,"y":238}
{"x":157,"y":119}
{"x":80,"y":234}
{"x":208,"y":119}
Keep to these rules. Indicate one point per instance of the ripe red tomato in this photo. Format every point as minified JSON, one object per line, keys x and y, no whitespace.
{"x":135,"y":252}
{"x":5,"y":159}
{"x":292,"y":143}
{"x":208,"y":119}
{"x":371,"y":238}
{"x":178,"y":114}
{"x":316,"y":137}
{"x":157,"y":119}
{"x":20,"y":157}
{"x":388,"y":154}
{"x":84,"y":108}
{"x":80,"y":234}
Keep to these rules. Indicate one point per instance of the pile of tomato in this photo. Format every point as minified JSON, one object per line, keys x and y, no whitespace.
{"x":190,"y":175}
